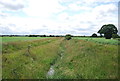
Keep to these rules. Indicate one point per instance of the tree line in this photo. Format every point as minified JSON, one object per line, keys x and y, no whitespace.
{"x":108,"y":31}
{"x":31,"y":36}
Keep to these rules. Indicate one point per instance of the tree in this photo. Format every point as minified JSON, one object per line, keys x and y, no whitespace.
{"x":115,"y":36}
{"x":68,"y":36}
{"x":94,"y":35}
{"x":108,"y":30}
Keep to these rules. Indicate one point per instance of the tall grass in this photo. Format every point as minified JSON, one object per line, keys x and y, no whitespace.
{"x":30,"y":65}
{"x":87,"y":60}
{"x":9,"y":47}
{"x":82,"y":59}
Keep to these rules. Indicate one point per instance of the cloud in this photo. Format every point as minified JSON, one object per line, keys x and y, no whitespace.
{"x":43,"y":8}
{"x":76,"y":17}
{"x":78,"y":7}
{"x":12,"y":4}
{"x":6,"y":30}
{"x":102,"y":14}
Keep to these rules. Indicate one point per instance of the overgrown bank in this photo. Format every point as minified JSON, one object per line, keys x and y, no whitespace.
{"x":22,"y":64}
{"x":87,"y":60}
{"x":72,"y":59}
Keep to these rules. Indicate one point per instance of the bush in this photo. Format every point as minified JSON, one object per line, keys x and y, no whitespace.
{"x":68,"y":37}
{"x":94,"y":35}
{"x":115,"y":36}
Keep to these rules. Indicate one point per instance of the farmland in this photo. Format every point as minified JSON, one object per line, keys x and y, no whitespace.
{"x":12,"y":39}
{"x":78,"y":58}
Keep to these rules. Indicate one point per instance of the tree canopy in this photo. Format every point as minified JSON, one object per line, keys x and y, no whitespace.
{"x":68,"y":37}
{"x":108,"y":30}
{"x":94,"y":35}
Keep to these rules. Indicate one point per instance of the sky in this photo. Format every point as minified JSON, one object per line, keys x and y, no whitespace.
{"x":56,"y":17}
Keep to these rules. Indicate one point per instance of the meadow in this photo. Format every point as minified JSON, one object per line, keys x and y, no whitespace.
{"x":78,"y":58}
{"x":12,"y":39}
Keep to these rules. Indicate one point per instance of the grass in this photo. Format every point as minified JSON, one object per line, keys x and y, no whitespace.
{"x":12,"y":39}
{"x":99,"y":40}
{"x":87,"y":60}
{"x":15,"y":46}
{"x":83,"y":58}
{"x":22,"y":64}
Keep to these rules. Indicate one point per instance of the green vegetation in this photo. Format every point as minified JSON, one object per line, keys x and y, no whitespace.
{"x":94,"y":35}
{"x":68,"y":37}
{"x":115,"y":36}
{"x":100,"y":40}
{"x":87,"y":60}
{"x":15,"y":46}
{"x":30,"y":64}
{"x":12,"y":39}
{"x":78,"y":58}
{"x":108,"y":30}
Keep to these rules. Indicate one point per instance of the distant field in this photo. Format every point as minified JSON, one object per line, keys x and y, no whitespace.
{"x":11,"y":39}
{"x":99,"y":40}
{"x":78,"y":58}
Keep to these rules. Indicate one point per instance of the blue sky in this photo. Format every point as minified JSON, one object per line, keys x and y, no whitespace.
{"x":59,"y":17}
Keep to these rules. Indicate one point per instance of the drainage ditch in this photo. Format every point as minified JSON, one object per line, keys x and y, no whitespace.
{"x":51,"y":71}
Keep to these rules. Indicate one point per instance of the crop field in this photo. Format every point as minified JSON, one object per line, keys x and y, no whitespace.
{"x":57,"y":58}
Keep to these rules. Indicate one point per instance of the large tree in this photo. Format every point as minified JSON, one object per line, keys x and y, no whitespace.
{"x":108,"y":30}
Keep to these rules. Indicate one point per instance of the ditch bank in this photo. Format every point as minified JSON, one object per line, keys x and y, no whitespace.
{"x":51,"y":71}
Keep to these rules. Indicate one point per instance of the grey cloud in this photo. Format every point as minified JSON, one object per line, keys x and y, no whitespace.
{"x":81,"y":29}
{"x":44,"y":26}
{"x":11,"y":6}
{"x":13,"y":25}
{"x":6,"y":30}
{"x":2,"y":15}
{"x":37,"y":31}
{"x":50,"y":31}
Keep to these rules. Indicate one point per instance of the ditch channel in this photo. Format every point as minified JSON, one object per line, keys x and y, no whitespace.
{"x":51,"y":71}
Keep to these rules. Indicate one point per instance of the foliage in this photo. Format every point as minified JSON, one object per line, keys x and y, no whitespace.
{"x":94,"y":35}
{"x":108,"y":30}
{"x":115,"y":36}
{"x":68,"y":37}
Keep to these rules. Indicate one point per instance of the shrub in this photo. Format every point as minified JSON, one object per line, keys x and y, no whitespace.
{"x":94,"y":35}
{"x":68,"y":37}
{"x":115,"y":36}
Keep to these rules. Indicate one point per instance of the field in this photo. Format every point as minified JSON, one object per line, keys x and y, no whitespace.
{"x":57,"y":58}
{"x":12,"y":39}
{"x":99,"y":40}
